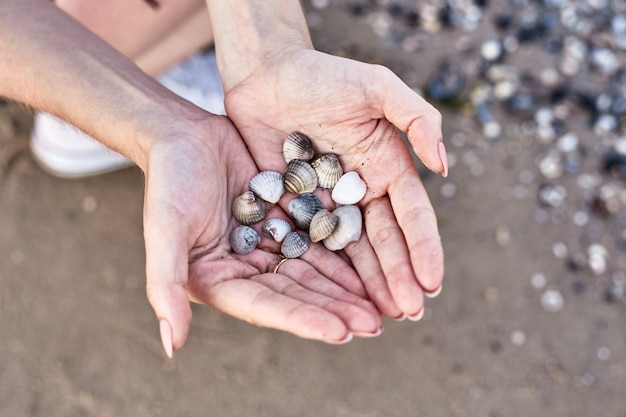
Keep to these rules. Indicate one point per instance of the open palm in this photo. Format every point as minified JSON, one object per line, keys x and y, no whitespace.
{"x":350,"y":109}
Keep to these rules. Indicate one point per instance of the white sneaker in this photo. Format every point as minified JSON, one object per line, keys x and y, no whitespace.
{"x":65,"y":151}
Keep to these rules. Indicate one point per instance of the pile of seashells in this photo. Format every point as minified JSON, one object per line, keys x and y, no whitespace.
{"x":305,"y":173}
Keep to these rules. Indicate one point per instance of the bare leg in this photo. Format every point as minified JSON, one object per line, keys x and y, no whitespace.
{"x":155,"y":39}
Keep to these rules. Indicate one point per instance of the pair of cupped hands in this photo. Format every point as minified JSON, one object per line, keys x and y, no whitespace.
{"x":348,"y":108}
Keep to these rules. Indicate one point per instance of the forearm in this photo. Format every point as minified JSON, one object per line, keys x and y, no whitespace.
{"x":54,"y":64}
{"x":251,"y":33}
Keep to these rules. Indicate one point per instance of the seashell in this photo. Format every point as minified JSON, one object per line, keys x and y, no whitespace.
{"x":328,"y":170}
{"x":348,"y":228}
{"x":350,"y":189}
{"x":276,"y":229}
{"x":322,"y":225}
{"x":268,"y":185}
{"x":303,"y":208}
{"x":243,"y":239}
{"x":248,"y":209}
{"x":297,"y":146}
{"x":300,"y":177}
{"x":294,"y":245}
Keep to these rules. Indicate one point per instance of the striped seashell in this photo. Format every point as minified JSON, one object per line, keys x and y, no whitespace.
{"x":303,"y":208}
{"x":243,"y":239}
{"x":348,"y":228}
{"x":294,"y":245}
{"x":322,"y":225}
{"x":300,"y":177}
{"x":268,"y":185}
{"x":276,"y":229}
{"x":328,"y":170}
{"x":248,"y":209}
{"x":297,"y":146}
{"x":350,"y":189}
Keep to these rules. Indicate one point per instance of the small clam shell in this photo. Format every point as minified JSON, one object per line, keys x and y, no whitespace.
{"x":348,"y":228}
{"x":276,"y":229}
{"x":322,"y":225}
{"x":350,"y":189}
{"x":300,"y":177}
{"x":268,"y":185}
{"x":328,"y":170}
{"x":297,"y":146}
{"x":303,"y":208}
{"x":294,"y":245}
{"x":248,"y":209}
{"x":243,"y":239}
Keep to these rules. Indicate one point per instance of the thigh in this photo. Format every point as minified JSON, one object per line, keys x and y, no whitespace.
{"x":131,"y":26}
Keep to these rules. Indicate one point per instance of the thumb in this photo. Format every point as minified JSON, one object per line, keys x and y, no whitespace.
{"x":166,"y":279}
{"x":409,"y":112}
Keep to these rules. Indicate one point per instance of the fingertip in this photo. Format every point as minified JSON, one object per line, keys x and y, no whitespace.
{"x":167,"y":338}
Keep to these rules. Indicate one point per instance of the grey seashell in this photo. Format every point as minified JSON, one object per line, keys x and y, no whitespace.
{"x":249,"y":209}
{"x":322,"y":225}
{"x":348,"y":228}
{"x":350,"y":189}
{"x":297,"y":146}
{"x":276,"y":229}
{"x":300,"y":177}
{"x":268,"y":185}
{"x":303,"y":208}
{"x":243,"y":239}
{"x":294,"y":245}
{"x":328,"y":170}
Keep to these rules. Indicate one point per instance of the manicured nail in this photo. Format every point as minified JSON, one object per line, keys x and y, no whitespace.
{"x":417,"y":317}
{"x":441,"y":148}
{"x":433,"y":294}
{"x":345,"y":340}
{"x":166,"y":337}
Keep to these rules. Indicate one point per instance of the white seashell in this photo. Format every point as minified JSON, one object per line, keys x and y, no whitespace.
{"x":297,"y":146}
{"x":300,"y":177}
{"x":294,"y":245}
{"x":328,"y":170}
{"x":303,"y":208}
{"x":276,"y":229}
{"x":268,"y":185}
{"x":350,"y":189}
{"x":348,"y":228}
{"x":322,"y":225}
{"x":243,"y":239}
{"x":248,"y":209}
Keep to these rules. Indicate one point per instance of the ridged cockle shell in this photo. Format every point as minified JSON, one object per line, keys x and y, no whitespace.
{"x":303,"y":208}
{"x":248,"y":209}
{"x":348,"y":228}
{"x":350,"y":189}
{"x":243,"y":239}
{"x":300,"y":177}
{"x":268,"y":185}
{"x":328,"y":170}
{"x":297,"y":146}
{"x":322,"y":225}
{"x":276,"y":229}
{"x":294,"y":245}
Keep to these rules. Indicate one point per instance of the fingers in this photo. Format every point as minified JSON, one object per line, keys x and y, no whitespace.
{"x":392,"y":99}
{"x":391,"y":250}
{"x":301,"y":282}
{"x":416,"y":217}
{"x":257,"y":304}
{"x":166,"y":273}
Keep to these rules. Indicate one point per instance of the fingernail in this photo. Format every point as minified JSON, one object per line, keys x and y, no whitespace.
{"x":433,"y":294}
{"x":401,"y":317}
{"x":166,"y":337}
{"x":376,"y":333}
{"x":418,"y":316}
{"x":345,"y":340}
{"x":441,"y":148}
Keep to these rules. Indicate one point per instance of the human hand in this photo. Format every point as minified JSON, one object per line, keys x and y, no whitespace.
{"x":350,"y":108}
{"x":192,"y":178}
